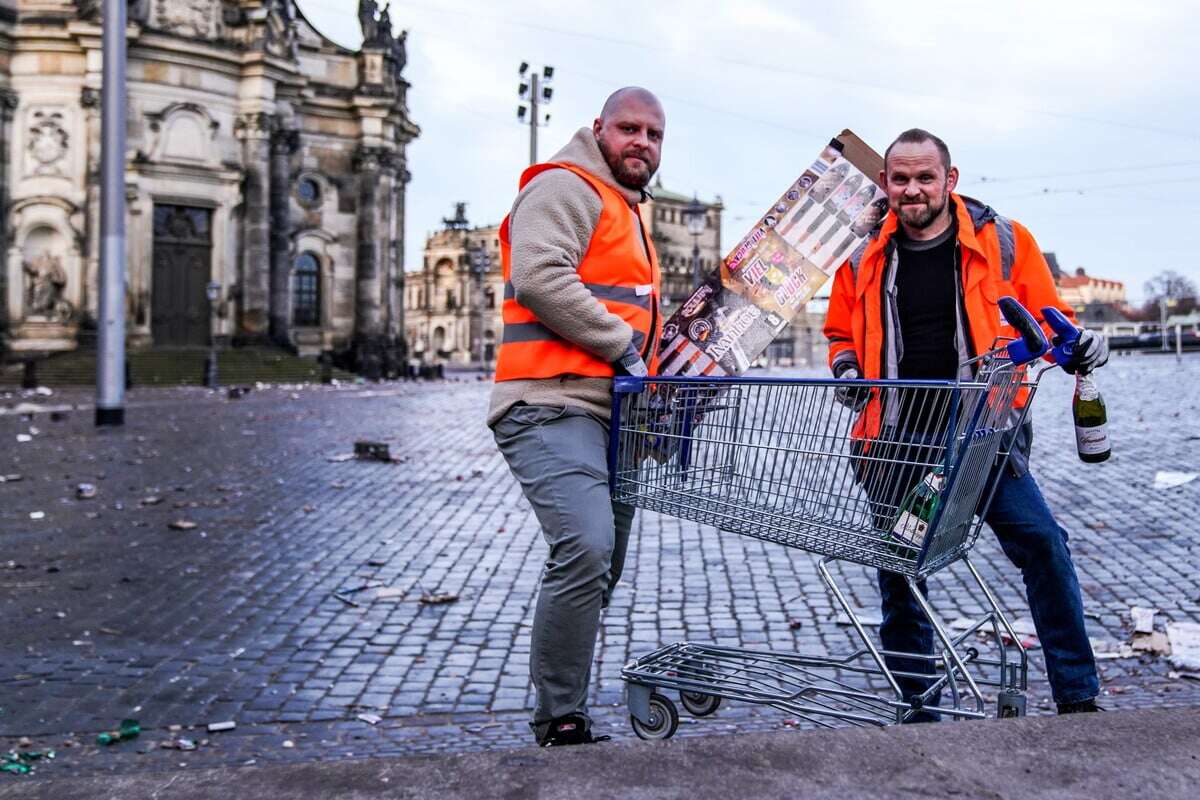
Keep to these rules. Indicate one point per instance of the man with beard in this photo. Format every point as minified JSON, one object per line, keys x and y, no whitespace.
{"x":581,"y":304}
{"x":919,"y":301}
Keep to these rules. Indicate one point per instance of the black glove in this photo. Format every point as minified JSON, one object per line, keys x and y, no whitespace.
{"x":853,"y":398}
{"x":1090,"y":353}
{"x":630,"y":363}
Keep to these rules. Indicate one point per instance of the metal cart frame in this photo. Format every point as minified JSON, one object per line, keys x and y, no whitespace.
{"x":798,"y":463}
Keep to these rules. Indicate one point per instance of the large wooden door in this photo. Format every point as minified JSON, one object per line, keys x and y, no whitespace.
{"x":182,"y":269}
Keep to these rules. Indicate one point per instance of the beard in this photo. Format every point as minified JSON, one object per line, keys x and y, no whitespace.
{"x":631,"y":177}
{"x":920,"y":216}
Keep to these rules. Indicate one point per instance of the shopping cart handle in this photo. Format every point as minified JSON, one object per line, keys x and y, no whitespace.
{"x":1032,"y":343}
{"x":1068,"y":335}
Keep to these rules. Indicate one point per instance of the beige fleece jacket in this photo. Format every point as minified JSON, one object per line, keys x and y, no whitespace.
{"x":550,"y":228}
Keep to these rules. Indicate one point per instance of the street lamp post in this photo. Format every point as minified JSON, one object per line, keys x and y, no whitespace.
{"x":695,"y":216}
{"x":213,"y":291}
{"x":534,"y":91}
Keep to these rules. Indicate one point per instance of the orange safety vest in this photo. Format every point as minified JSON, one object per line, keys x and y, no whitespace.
{"x":620,"y":273}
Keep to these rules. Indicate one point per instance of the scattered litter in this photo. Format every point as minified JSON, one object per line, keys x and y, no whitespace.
{"x":308,"y":508}
{"x":438,"y":599}
{"x":340,"y":458}
{"x":179,"y":744}
{"x":1184,"y":639}
{"x":1143,"y":619}
{"x":128,"y":729}
{"x":370,"y":719}
{"x":346,"y":600}
{"x":390,"y":593}
{"x":288,"y":743}
{"x":483,"y":727}
{"x":37,"y":514}
{"x":43,"y":391}
{"x":237,"y":392}
{"x":181,"y":525}
{"x":375,"y":562}
{"x":110,"y":631}
{"x":372,"y":451}
{"x":1111,"y":651}
{"x":866,"y":618}
{"x":795,"y":624}
{"x":217,"y":727}
{"x":1155,"y":643}
{"x":12,"y":477}
{"x":24,"y":437}
{"x":1165,"y":479}
{"x":85,"y":491}
{"x":22,"y":763}
{"x":152,"y":500}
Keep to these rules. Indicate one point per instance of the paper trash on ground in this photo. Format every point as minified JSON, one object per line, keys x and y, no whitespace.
{"x":1185,"y":645}
{"x":1166,"y":479}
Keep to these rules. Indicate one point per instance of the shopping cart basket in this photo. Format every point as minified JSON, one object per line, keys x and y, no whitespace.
{"x":846,"y":471}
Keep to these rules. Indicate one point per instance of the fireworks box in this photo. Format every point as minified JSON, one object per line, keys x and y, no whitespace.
{"x":778,"y":266}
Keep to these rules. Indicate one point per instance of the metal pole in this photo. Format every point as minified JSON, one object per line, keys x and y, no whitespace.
{"x":1178,"y":343}
{"x":533,"y":120}
{"x":110,"y":357}
{"x":697,"y":277}
{"x":1162,"y":327}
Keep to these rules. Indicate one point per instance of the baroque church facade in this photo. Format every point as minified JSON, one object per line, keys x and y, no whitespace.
{"x":265,"y":165}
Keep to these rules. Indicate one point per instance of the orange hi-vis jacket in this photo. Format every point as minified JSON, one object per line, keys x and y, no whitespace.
{"x":618,"y":269}
{"x":997,"y":256}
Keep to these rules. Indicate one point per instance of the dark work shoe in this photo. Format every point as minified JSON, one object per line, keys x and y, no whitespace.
{"x":1081,"y":707}
{"x":571,"y":729}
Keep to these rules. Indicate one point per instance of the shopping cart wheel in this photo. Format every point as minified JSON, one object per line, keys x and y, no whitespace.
{"x":699,"y":704}
{"x":664,"y":719}
{"x":1010,"y":705}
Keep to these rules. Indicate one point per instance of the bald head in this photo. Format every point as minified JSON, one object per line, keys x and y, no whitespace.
{"x":631,"y":95}
{"x":629,"y":132}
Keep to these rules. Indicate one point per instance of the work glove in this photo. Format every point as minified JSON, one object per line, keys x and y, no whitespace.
{"x":630,"y":363}
{"x":853,"y":398}
{"x":1091,"y":352}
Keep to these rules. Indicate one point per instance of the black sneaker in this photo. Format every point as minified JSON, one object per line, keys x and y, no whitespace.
{"x":571,"y":729}
{"x":1080,"y":707}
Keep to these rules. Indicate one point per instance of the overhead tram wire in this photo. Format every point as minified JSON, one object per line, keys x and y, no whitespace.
{"x":777,"y":69}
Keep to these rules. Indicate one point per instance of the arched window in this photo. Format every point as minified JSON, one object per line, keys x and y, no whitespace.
{"x":306,"y":290}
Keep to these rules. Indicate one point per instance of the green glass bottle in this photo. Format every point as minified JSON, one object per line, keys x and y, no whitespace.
{"x":916,"y":514}
{"x":1091,"y":421}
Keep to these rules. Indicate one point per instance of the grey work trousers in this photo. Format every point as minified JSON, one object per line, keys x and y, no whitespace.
{"x":559,"y":456}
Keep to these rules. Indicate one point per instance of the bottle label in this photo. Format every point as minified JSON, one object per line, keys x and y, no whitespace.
{"x":1093,"y":440}
{"x":910,"y":529}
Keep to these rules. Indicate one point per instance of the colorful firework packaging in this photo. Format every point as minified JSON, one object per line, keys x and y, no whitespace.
{"x":779,"y":265}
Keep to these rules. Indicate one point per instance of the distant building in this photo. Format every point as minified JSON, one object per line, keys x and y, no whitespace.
{"x":263,"y":158}
{"x":675,"y":244}
{"x":452,"y":310}
{"x":1097,"y":301}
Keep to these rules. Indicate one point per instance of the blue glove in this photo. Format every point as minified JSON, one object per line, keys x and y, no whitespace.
{"x":630,"y":363}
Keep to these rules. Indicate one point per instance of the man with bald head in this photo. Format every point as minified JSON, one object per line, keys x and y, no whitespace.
{"x":581,"y":305}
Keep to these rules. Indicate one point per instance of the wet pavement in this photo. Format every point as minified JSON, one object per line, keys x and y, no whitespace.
{"x":234,"y":613}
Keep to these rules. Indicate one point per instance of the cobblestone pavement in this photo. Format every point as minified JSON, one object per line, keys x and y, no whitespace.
{"x":108,"y":612}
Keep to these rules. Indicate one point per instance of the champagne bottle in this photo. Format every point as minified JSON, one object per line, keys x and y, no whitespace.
{"x":1091,"y":421}
{"x":916,"y":514}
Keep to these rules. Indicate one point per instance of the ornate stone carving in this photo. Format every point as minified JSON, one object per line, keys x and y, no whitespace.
{"x":47,"y":141}
{"x":90,"y":10}
{"x":366,"y":20}
{"x":280,"y":37}
{"x":89,"y":97}
{"x":200,"y":19}
{"x":371,"y":159}
{"x":45,"y":282}
{"x":254,"y":124}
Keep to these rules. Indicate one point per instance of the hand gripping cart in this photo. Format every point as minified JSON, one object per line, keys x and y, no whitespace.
{"x":887,"y":474}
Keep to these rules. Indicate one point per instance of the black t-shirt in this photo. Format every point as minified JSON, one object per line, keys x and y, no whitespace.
{"x":926,"y":297}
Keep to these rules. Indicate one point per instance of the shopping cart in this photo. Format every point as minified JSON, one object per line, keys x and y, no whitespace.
{"x":835,"y":468}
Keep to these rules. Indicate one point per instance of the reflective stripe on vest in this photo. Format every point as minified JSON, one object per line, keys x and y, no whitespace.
{"x":620,"y":269}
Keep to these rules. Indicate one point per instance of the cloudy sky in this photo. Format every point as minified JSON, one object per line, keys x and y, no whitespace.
{"x":1080,"y":119}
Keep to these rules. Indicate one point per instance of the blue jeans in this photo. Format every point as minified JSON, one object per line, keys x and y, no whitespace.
{"x":1037,"y":545}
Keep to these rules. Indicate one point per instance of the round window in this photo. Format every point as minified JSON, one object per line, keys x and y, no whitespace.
{"x":309,"y":191}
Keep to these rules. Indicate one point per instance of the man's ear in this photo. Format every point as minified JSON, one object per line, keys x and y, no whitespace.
{"x":596,"y":126}
{"x":951,"y":179}
{"x":883,"y":177}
